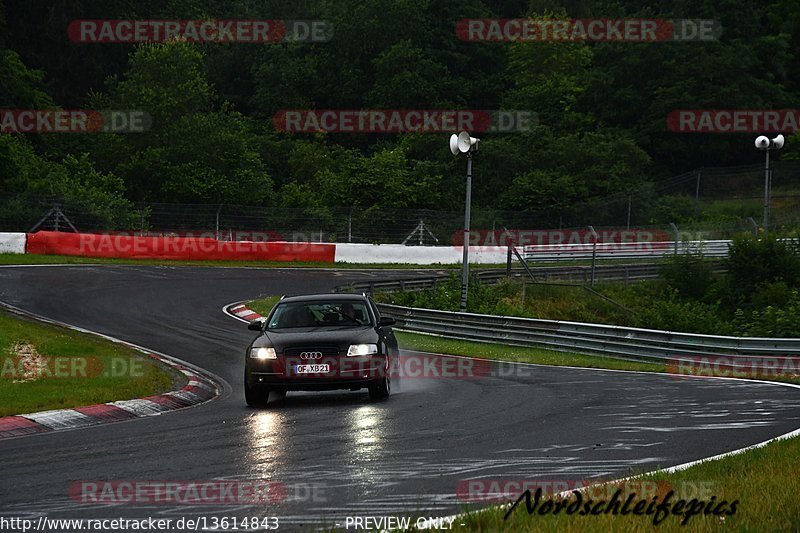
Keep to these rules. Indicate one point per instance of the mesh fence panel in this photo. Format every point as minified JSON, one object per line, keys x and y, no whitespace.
{"x":738,"y":191}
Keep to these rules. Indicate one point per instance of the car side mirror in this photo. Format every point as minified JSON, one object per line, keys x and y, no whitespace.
{"x":256,"y":325}
{"x":386,"y":321}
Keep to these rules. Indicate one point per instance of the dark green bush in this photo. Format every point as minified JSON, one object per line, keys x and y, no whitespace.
{"x":771,"y":321}
{"x":752,"y":262}
{"x":672,"y":313}
{"x":689,"y":274}
{"x":482,"y":298}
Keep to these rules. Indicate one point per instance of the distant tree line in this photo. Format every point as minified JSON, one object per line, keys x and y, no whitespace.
{"x":602,"y":106}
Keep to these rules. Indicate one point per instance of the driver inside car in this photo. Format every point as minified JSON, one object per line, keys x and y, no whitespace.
{"x":348,"y":312}
{"x":299,"y":317}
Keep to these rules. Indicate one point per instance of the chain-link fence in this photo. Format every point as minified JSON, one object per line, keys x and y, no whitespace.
{"x":411,"y":227}
{"x":722,"y":201}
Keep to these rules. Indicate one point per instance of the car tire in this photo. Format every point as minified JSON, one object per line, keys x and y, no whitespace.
{"x":256,"y":395}
{"x":380,"y":390}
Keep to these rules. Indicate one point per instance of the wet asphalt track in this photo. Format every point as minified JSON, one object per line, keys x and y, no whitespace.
{"x":336,"y":453}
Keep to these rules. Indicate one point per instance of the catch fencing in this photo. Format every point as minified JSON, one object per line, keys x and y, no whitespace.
{"x":697,"y":195}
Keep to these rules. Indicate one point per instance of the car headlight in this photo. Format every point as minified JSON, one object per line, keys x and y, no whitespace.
{"x":263,"y":353}
{"x":362,"y":349}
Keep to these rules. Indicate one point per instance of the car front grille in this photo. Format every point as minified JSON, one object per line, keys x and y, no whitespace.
{"x":327,"y":351}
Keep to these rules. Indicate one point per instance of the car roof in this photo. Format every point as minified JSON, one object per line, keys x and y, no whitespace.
{"x":325,"y":297}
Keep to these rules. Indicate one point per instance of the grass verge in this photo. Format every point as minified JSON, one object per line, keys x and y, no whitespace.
{"x":262,"y":306}
{"x":519,"y":354}
{"x":762,"y":480}
{"x":48,"y":367}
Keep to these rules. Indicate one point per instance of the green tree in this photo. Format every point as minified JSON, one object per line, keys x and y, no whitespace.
{"x":92,"y":199}
{"x":197,"y":151}
{"x":21,"y":87}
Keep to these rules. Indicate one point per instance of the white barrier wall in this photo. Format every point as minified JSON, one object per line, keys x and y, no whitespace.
{"x":417,"y":255}
{"x":12,"y":243}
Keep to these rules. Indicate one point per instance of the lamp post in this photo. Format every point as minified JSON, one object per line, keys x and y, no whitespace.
{"x":465,"y":144}
{"x":765,"y":144}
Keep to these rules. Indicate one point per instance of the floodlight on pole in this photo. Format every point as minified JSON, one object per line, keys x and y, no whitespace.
{"x":765,"y":144}
{"x":465,"y":144}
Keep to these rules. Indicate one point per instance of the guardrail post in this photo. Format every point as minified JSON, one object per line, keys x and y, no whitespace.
{"x":594,"y":252}
{"x":677,"y":235}
{"x":755,"y":226}
{"x":697,"y":193}
{"x":216,"y":226}
{"x":350,"y":226}
{"x":511,"y":249}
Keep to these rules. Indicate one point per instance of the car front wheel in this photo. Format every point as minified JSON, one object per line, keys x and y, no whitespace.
{"x":381,"y":389}
{"x":256,"y":395}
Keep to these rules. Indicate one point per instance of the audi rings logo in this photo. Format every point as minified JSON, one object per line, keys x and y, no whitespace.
{"x":310,"y":355}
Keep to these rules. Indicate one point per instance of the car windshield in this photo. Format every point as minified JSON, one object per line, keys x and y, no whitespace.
{"x":319,"y":314}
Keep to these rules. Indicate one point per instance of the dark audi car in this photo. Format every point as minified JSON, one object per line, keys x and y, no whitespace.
{"x":320,"y":342}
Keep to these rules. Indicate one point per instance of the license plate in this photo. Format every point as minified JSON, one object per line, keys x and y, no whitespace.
{"x":312,"y":369}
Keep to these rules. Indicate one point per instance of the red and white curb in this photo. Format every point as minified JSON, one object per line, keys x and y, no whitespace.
{"x":199,"y":389}
{"x":242,"y":312}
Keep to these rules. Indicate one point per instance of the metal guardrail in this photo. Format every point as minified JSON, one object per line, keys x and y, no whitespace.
{"x":624,"y":251}
{"x":599,"y":339}
{"x":571,"y":274}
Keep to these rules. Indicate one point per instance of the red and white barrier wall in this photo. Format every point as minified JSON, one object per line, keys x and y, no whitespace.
{"x":12,"y":243}
{"x":208,"y":249}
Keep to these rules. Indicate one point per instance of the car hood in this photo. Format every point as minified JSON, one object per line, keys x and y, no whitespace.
{"x":342,"y":337}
